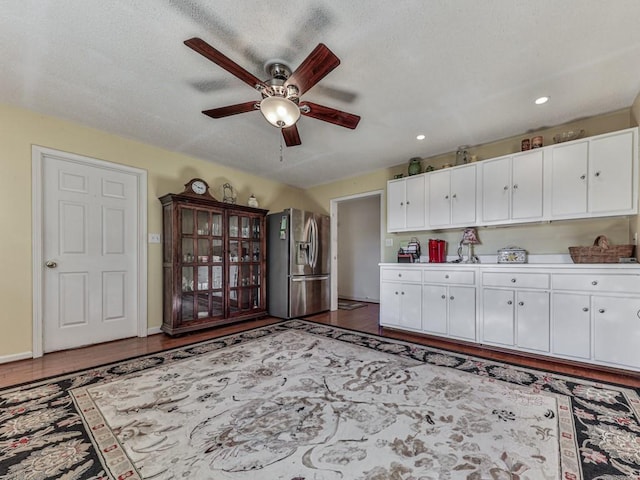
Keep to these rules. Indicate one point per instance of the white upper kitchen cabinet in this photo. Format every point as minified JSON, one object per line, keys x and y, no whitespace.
{"x":452,"y":197}
{"x":406,"y":204}
{"x":595,"y":177}
{"x":512,"y":188}
{"x":611,"y":178}
{"x":569,"y":179}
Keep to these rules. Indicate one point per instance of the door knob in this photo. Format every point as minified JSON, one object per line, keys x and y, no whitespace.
{"x":51,"y":264}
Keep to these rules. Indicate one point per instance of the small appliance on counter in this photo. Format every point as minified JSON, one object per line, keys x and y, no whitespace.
{"x":437,"y":251}
{"x":512,"y":255}
{"x":410,"y":253}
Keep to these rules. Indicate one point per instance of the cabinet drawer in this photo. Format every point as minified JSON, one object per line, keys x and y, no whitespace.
{"x":449,"y":277}
{"x":402,"y":275}
{"x":597,"y":283}
{"x":516,"y":280}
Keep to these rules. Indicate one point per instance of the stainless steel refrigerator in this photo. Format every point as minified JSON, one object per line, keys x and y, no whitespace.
{"x":298,"y":263}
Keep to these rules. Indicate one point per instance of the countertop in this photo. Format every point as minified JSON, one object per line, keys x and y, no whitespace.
{"x":534,"y":261}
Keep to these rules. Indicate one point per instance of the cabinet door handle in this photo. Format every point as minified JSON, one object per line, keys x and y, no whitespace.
{"x":407,"y":202}
{"x":446,"y":276}
{"x":446,"y":197}
{"x":521,"y":303}
{"x":506,"y":187}
{"x":455,"y":195}
{"x":451,"y":297}
{"x":402,"y":293}
{"x":401,"y":203}
{"x":444,"y":296}
{"x":602,"y":310}
{"x":396,"y":293}
{"x":585,"y":309}
{"x":515,"y":187}
{"x":399,"y":274}
{"x":598,"y":173}
{"x":509,"y":302}
{"x":582,"y":177}
{"x":513,"y":280}
{"x":595,"y":282}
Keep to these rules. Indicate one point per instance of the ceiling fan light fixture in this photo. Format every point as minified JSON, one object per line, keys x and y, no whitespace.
{"x":279,"y":111}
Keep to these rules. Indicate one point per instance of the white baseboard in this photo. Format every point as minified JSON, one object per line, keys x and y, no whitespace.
{"x":153,"y":330}
{"x":15,"y":357}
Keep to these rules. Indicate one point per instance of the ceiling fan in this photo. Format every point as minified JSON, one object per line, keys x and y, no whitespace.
{"x":280,"y":103}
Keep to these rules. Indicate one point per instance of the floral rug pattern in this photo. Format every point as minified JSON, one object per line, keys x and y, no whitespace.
{"x":298,"y":400}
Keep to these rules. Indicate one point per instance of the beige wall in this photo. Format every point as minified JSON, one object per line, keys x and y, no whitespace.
{"x":167,"y":172}
{"x":536,"y":238}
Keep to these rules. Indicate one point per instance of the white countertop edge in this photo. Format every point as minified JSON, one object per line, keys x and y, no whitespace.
{"x":542,"y":260}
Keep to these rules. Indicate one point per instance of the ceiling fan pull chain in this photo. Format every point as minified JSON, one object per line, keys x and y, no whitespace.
{"x":281,"y":154}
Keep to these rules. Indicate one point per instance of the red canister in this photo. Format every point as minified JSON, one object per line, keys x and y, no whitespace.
{"x":433,"y":251}
{"x":442,"y":251}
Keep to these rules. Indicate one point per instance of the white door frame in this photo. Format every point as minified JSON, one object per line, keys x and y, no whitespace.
{"x":334,"y":237}
{"x":37,"y":241}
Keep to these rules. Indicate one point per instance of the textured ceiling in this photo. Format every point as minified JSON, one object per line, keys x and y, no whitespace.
{"x":461,"y":72}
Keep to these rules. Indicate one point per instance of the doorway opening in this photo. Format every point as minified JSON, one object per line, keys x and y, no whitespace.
{"x":356,"y":247}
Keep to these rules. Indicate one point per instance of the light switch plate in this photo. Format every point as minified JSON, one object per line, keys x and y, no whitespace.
{"x":388,"y":242}
{"x":154,"y":238}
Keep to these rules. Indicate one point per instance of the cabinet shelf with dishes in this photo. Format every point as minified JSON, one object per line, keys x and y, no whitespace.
{"x":213,"y":262}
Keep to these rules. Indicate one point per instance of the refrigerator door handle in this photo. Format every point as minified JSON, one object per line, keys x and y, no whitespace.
{"x":314,"y":242}
{"x":310,"y":279}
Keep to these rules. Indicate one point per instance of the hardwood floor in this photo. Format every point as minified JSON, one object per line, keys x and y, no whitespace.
{"x":363,"y":319}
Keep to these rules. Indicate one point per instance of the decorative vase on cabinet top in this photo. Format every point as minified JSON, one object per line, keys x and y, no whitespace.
{"x":415,"y":167}
{"x":253,"y":201}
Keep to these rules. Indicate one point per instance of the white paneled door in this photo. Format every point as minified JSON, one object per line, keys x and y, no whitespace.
{"x":90,"y":253}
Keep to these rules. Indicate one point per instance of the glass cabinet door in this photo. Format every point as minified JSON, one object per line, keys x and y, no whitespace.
{"x":245,"y":257}
{"x":201,"y":264}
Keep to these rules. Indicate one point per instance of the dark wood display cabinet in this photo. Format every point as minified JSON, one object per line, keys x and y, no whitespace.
{"x":214,"y":266}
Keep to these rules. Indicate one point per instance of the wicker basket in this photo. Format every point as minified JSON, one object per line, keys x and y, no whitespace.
{"x":600,"y":252}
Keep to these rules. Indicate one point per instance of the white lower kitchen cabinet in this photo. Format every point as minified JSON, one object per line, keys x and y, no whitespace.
{"x":532,"y":320}
{"x":400,"y":305}
{"x":616,"y":330}
{"x":588,"y":313}
{"x":497,"y":317}
{"x":449,"y":310}
{"x":516,"y":317}
{"x":571,"y":325}
{"x":401,"y":298}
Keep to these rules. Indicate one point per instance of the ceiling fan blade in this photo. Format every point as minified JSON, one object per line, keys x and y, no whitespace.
{"x":291,"y":136}
{"x":231,"y":109}
{"x":217,"y":57}
{"x":328,"y":114}
{"x":313,"y":69}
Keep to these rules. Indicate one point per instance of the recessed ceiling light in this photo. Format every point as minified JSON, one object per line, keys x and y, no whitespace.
{"x":420,"y":137}
{"x":541,"y":100}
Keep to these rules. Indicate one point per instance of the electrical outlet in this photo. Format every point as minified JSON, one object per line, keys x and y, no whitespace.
{"x":154,"y":238}
{"x":388,"y":242}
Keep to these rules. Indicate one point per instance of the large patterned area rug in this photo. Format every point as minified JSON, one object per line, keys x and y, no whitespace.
{"x":302,"y":401}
